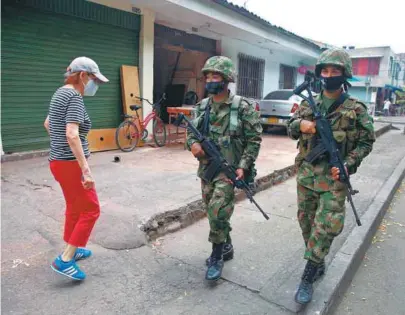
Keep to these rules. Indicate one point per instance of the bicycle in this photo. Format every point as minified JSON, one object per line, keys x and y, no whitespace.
{"x":127,"y":135}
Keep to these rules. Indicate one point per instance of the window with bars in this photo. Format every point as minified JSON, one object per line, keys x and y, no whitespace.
{"x":250,"y":76}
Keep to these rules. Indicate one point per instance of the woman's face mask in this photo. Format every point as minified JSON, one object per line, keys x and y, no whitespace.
{"x":90,"y":88}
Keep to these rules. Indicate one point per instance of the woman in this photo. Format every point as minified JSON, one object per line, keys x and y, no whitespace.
{"x":68,"y":125}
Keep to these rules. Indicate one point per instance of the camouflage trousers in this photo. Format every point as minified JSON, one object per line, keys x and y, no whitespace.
{"x":321,"y":217}
{"x":219,"y":199}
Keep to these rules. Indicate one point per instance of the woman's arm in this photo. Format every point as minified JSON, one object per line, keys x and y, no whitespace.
{"x":46,"y":124}
{"x":72,"y":135}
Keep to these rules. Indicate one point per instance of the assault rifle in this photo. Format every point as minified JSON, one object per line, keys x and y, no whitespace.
{"x":216,"y":162}
{"x":328,"y":143}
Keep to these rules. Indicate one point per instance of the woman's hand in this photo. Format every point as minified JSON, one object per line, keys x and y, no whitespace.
{"x":87,"y":180}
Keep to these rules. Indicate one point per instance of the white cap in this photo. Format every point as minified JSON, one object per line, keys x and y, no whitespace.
{"x":87,"y":65}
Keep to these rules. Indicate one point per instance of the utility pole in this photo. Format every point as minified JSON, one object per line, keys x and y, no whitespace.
{"x":367,"y":83}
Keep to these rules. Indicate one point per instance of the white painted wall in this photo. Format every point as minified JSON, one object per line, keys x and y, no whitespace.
{"x":291,"y":52}
{"x":146,"y":48}
{"x":239,"y":22}
{"x":231,"y":48}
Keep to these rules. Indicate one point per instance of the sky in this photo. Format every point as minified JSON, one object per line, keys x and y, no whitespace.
{"x":359,"y":23}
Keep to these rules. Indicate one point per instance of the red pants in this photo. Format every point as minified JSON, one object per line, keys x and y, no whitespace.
{"x":82,"y":206}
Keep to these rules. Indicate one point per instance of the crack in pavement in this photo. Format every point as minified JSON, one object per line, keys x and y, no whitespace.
{"x":242,"y":285}
{"x":31,"y":185}
{"x":253,"y":290}
{"x":38,"y":185}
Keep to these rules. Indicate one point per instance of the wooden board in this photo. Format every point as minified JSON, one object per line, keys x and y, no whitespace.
{"x":102,"y":140}
{"x":130,"y":88}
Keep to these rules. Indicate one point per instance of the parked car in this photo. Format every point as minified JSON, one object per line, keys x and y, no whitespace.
{"x":278,"y":106}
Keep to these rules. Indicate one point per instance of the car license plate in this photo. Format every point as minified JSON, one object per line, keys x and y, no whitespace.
{"x":272,"y":120}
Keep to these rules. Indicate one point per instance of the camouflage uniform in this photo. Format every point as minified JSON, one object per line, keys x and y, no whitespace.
{"x":240,"y":149}
{"x":321,"y":199}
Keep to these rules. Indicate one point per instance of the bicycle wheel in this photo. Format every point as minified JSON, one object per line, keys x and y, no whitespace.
{"x":159,"y":132}
{"x":127,"y":136}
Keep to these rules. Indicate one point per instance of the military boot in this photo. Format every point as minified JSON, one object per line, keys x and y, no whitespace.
{"x":216,"y":263}
{"x":305,"y":290}
{"x":227,"y":253}
{"x":320,"y":271}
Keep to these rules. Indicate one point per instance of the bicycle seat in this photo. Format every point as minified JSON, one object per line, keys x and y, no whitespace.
{"x":135,"y":107}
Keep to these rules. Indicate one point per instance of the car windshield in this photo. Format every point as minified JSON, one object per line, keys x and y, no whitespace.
{"x":279,"y":95}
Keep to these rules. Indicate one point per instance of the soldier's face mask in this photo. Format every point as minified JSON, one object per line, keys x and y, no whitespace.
{"x":332,"y":83}
{"x":215,"y":87}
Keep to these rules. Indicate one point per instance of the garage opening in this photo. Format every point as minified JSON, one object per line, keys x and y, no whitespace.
{"x":178,"y":59}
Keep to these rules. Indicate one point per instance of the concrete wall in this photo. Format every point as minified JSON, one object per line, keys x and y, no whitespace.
{"x":231,"y":48}
{"x":146,"y":48}
{"x":241,"y":24}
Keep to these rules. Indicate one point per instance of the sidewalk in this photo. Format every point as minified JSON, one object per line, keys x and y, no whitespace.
{"x":151,"y":190}
{"x":379,"y":285}
{"x":166,"y":277}
{"x":268,"y":254}
{"x":146,"y":183}
{"x":390,"y":119}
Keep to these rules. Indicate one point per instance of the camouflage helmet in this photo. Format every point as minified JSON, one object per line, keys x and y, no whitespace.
{"x":222,"y":65}
{"x":335,"y":57}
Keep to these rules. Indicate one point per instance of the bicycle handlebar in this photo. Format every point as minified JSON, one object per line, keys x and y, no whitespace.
{"x":143,"y":99}
{"x":158,"y":102}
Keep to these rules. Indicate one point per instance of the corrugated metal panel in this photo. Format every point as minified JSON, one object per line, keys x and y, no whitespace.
{"x":82,"y":9}
{"x":37,"y":47}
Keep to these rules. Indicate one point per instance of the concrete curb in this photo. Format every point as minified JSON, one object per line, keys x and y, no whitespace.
{"x":389,"y":122}
{"x":383,"y":130}
{"x":173,"y":220}
{"x":23,"y":156}
{"x":347,"y":260}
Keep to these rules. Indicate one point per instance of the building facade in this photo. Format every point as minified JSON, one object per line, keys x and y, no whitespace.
{"x":168,"y":40}
{"x":378,"y":72}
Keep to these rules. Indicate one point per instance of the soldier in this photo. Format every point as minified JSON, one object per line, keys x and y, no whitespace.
{"x":321,"y":196}
{"x":234,"y":125}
